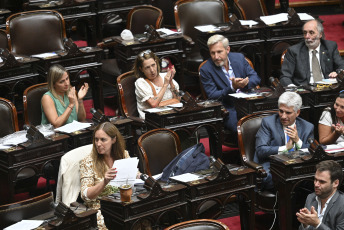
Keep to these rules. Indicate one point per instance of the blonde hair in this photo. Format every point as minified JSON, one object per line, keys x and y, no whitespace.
{"x":117,"y":150}
{"x":54,"y":75}
{"x":141,"y":57}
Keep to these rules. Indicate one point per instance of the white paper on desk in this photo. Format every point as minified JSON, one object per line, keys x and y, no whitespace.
{"x":156,"y":110}
{"x":177,"y":105}
{"x":327,"y":81}
{"x":74,"y":126}
{"x":248,"y":23}
{"x":186,"y":177}
{"x":275,"y":18}
{"x":14,"y":138}
{"x":207,"y":28}
{"x":167,"y":32}
{"x":44,"y":55}
{"x":339,"y":147}
{"x":25,"y":225}
{"x":126,"y":170}
{"x":2,"y":147}
{"x":243,"y":95}
{"x":305,"y":16}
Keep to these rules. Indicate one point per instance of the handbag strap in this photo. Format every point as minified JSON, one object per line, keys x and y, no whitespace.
{"x":151,"y":85}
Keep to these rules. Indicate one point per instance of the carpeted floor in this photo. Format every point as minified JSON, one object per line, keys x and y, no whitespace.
{"x":334,"y":28}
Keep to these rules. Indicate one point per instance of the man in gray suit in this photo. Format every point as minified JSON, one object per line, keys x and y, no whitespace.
{"x":324,"y":209}
{"x":297,"y":68}
{"x":282,"y":133}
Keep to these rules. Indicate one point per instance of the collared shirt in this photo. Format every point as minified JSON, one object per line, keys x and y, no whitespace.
{"x":320,"y":213}
{"x":310,"y":62}
{"x":283,"y":149}
{"x":229,"y":74}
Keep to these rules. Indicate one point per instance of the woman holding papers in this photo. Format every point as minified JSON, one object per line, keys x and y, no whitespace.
{"x":331,"y":126}
{"x":152,"y":88}
{"x":96,"y":169}
{"x":61,"y":105}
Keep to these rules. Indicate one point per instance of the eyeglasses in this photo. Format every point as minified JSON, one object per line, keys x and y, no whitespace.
{"x":143,"y":53}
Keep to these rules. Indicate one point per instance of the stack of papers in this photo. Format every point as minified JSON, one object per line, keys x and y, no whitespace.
{"x":156,"y":110}
{"x":327,"y":81}
{"x":14,"y":139}
{"x":126,"y":171}
{"x":243,"y":95}
{"x":167,"y":32}
{"x":25,"y":225}
{"x":283,"y":17}
{"x":74,"y":126}
{"x":339,"y":147}
{"x":249,"y":23}
{"x":45,"y":55}
{"x":207,"y":28}
{"x":186,"y":177}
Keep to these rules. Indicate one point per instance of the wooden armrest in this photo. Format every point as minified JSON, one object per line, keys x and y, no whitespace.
{"x":259,"y":168}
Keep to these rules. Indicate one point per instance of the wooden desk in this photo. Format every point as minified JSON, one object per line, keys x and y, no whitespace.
{"x":14,"y":160}
{"x":75,"y":14}
{"x":208,"y":197}
{"x":169,"y":47}
{"x":209,"y":116}
{"x":161,"y":209}
{"x":287,"y":174}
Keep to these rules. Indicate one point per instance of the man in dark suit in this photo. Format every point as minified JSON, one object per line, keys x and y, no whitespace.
{"x":324,"y":208}
{"x":226,"y":73}
{"x":281,"y":133}
{"x":297,"y":65}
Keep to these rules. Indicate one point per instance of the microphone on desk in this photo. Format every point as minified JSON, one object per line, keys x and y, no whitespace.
{"x":98,"y":116}
{"x":26,"y":127}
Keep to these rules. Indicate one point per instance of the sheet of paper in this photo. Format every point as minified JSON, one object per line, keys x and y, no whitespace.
{"x":44,"y":55}
{"x":167,"y":32}
{"x":305,"y":16}
{"x":25,"y":225}
{"x":186,"y":177}
{"x":74,"y":126}
{"x":207,"y":28}
{"x":156,"y":177}
{"x":2,"y":147}
{"x":334,"y":148}
{"x":126,"y":170}
{"x":327,"y":81}
{"x":275,"y":18}
{"x":156,"y":110}
{"x":249,"y":23}
{"x":14,"y":138}
{"x":243,"y":95}
{"x":178,"y":105}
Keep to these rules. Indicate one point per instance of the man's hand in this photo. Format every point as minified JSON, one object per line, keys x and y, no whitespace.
{"x":307,"y":217}
{"x":332,"y":75}
{"x":239,"y":83}
{"x":292,"y":133}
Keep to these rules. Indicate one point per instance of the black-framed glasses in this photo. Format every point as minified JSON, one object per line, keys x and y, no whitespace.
{"x":143,"y":53}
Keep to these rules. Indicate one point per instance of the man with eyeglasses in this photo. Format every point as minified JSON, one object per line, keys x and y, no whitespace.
{"x":311,"y":60}
{"x":226,"y":73}
{"x":282,"y":133}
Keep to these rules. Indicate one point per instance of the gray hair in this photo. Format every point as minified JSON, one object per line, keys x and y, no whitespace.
{"x":320,"y":27}
{"x":218,"y":38}
{"x":290,"y":99}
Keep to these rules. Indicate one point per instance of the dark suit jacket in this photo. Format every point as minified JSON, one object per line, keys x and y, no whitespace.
{"x":217,"y":86}
{"x":334,"y":214}
{"x":296,"y":68}
{"x":271,"y":136}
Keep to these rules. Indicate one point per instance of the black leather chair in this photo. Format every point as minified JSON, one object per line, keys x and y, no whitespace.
{"x":248,"y":127}
{"x":9,"y":118}
{"x":32,"y":103}
{"x":166,"y":7}
{"x":15,"y":212}
{"x":3,"y":39}
{"x":249,"y":9}
{"x":157,"y":148}
{"x":200,"y":224}
{"x":191,"y":13}
{"x":35,"y":32}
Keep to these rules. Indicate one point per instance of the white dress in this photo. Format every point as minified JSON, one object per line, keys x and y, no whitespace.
{"x":326,"y":119}
{"x":144,"y":91}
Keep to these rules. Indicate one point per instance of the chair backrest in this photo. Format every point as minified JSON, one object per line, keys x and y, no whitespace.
{"x":15,"y":212}
{"x":35,"y":32}
{"x":248,"y":127}
{"x":32,"y":103}
{"x":68,"y":183}
{"x":140,"y":16}
{"x":157,"y":148}
{"x":3,"y":39}
{"x":200,"y":224}
{"x":191,"y":13}
{"x":166,"y":7}
{"x":9,"y":118}
{"x":249,"y":9}
{"x":126,"y":89}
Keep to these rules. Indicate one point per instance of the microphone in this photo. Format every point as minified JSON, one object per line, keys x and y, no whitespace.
{"x":93,"y":111}
{"x":310,"y":140}
{"x":98,"y":116}
{"x":26,"y":127}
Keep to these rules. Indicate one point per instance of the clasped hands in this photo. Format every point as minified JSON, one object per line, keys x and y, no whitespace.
{"x":308,"y":217}
{"x":81,"y":94}
{"x":294,"y":136}
{"x":169,"y":76}
{"x":338,"y":128}
{"x":239,"y":83}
